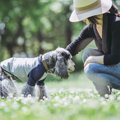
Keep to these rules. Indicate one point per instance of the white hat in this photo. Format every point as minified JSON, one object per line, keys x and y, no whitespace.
{"x":87,"y":8}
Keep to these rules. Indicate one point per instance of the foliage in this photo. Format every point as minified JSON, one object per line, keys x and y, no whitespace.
{"x":117,"y":2}
{"x":35,"y":24}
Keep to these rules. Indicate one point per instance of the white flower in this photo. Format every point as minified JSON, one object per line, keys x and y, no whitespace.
{"x":57,"y":98}
{"x":76,"y":99}
{"x":15,"y":105}
{"x":25,"y":110}
{"x":3,"y":105}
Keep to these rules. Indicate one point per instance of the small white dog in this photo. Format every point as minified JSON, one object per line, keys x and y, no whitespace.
{"x":33,"y":71}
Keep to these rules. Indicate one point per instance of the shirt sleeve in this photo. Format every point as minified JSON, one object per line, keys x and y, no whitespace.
{"x":114,"y":56}
{"x":86,"y":36}
{"x":35,"y":74}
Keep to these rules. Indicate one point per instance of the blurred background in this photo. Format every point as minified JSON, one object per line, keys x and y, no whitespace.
{"x":33,"y":27}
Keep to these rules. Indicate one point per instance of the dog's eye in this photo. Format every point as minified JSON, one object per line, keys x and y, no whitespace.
{"x":63,"y":54}
{"x":67,"y":56}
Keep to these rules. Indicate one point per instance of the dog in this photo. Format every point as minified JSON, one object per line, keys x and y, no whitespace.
{"x":34,"y":70}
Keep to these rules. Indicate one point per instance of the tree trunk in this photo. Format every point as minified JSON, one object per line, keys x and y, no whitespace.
{"x":68,"y":27}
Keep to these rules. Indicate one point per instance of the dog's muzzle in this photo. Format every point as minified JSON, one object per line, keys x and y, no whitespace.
{"x":70,"y":66}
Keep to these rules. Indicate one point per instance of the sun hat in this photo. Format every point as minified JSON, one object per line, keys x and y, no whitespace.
{"x":88,"y":8}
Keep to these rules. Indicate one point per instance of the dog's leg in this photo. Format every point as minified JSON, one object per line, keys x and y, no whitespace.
{"x":13,"y":88}
{"x":7,"y":88}
{"x":28,"y":90}
{"x":41,"y":91}
{"x":3,"y":91}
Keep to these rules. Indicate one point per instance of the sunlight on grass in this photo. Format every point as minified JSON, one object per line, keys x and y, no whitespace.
{"x":78,"y":101}
{"x":75,"y":80}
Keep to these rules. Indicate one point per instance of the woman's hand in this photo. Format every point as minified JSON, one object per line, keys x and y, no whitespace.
{"x":94,"y":59}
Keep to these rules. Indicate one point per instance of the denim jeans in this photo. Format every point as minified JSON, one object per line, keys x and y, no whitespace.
{"x":103,"y":77}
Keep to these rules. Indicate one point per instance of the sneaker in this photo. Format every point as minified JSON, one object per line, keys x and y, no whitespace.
{"x":106,"y":90}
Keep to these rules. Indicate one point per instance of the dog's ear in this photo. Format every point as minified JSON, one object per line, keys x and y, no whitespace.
{"x":65,"y":53}
{"x":61,"y":66}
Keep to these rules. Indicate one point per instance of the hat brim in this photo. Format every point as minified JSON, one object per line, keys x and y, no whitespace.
{"x":100,"y":9}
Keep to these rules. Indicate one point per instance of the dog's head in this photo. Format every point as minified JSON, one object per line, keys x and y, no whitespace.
{"x":63,"y":63}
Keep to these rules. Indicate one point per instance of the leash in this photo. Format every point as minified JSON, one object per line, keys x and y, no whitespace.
{"x":10,"y":75}
{"x":44,"y":63}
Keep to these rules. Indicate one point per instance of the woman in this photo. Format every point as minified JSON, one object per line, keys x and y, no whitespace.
{"x":101,"y":65}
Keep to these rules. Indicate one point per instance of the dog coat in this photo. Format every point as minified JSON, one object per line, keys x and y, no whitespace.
{"x":26,"y":69}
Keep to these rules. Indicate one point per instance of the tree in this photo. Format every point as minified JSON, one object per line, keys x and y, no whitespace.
{"x":35,"y":24}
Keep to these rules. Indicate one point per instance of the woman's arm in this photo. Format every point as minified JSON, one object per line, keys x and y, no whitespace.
{"x":86,"y":36}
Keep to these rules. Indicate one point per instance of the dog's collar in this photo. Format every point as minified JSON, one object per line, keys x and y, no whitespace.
{"x":44,"y":63}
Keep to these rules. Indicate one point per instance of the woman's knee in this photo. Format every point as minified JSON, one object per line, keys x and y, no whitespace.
{"x":93,"y":72}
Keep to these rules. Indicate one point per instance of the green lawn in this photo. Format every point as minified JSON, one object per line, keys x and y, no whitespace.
{"x":72,"y":99}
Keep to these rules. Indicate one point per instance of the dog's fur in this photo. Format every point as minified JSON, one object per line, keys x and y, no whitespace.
{"x":57,"y":62}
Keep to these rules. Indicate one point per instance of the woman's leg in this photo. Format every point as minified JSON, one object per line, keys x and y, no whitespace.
{"x":103,"y":77}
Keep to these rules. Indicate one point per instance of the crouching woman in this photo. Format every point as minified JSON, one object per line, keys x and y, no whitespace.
{"x":101,"y":65}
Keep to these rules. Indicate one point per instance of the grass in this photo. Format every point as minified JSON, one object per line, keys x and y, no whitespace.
{"x":73,"y":99}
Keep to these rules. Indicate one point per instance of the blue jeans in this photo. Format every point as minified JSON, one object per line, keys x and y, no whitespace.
{"x":103,"y":77}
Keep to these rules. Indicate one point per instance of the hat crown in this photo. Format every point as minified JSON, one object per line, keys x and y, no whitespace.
{"x":83,"y":3}
{"x":87,"y":8}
